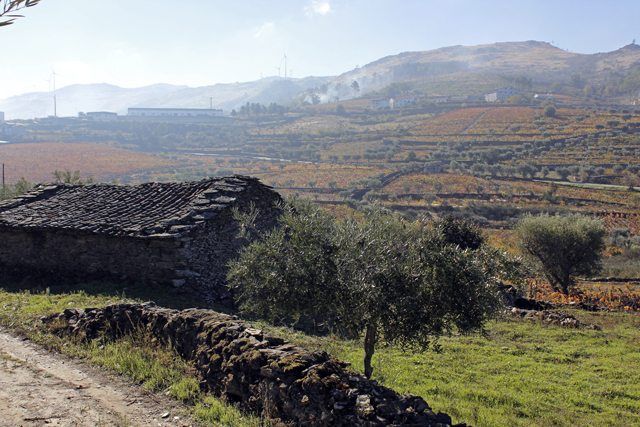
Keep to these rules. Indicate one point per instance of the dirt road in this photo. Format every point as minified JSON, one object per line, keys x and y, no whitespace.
{"x":38,"y":388}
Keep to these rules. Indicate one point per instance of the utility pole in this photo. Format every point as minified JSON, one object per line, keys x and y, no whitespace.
{"x":3,"y":176}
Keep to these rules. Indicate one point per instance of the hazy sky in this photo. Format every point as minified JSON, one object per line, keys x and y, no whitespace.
{"x":133,"y":43}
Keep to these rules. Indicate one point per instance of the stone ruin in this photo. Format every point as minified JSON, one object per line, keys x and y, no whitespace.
{"x":179,"y":233}
{"x":261,"y":373}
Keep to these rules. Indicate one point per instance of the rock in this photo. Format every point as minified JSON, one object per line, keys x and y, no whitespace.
{"x":443,"y":418}
{"x":241,"y":363}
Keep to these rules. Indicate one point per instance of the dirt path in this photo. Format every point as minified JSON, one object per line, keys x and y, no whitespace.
{"x":38,"y":388}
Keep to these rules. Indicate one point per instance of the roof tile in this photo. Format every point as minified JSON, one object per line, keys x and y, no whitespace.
{"x":124,"y":210}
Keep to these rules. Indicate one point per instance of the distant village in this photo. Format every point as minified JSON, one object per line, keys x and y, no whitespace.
{"x":495,"y":95}
{"x":211,"y":115}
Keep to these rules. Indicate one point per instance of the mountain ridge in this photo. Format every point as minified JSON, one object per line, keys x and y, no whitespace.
{"x":444,"y":71}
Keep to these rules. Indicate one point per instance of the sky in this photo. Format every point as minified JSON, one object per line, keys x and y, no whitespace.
{"x":134,"y":43}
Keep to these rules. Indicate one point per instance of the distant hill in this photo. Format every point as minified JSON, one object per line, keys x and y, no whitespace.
{"x":455,"y":70}
{"x":106,"y":97}
{"x":81,"y":97}
{"x":233,"y":95}
{"x":476,"y":69}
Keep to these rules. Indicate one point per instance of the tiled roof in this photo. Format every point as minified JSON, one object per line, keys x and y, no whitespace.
{"x":151,"y":209}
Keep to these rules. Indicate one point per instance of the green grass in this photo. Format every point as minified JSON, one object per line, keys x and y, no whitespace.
{"x":138,"y":356}
{"x":164,"y":296}
{"x":521,"y":374}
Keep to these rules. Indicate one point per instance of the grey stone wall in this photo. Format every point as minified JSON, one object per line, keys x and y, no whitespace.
{"x":89,"y":257}
{"x":263,"y":374}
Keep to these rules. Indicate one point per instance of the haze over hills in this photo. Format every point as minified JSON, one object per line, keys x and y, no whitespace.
{"x":455,"y":70}
{"x":82,"y":97}
{"x":233,"y":95}
{"x":459,"y":70}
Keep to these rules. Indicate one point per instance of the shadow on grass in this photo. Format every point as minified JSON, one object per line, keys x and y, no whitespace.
{"x":163,"y":296}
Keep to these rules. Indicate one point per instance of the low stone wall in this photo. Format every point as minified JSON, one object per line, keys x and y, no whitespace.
{"x":261,"y":373}
{"x":557,"y":318}
{"x":55,"y":255}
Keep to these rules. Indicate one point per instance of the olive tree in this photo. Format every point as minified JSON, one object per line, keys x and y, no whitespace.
{"x":9,"y":7}
{"x":404,"y":283}
{"x":561,"y":247}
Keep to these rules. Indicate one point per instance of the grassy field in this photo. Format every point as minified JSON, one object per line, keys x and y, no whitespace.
{"x":520,"y":373}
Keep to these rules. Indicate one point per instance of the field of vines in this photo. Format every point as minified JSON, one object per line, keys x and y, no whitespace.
{"x":37,"y":161}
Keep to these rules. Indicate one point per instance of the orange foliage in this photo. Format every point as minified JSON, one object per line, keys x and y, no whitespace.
{"x":614,"y":297}
{"x":37,"y":161}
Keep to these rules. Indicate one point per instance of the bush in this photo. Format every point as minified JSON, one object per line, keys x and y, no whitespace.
{"x":549,"y":111}
{"x":560,"y":247}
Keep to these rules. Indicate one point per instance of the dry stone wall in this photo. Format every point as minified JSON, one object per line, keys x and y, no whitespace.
{"x":263,"y":374}
{"x":83,"y":256}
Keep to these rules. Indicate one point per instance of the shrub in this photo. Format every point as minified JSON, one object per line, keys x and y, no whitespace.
{"x":560,"y":247}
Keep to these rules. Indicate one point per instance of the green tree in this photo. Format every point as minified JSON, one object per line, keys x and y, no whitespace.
{"x":10,"y":191}
{"x":340,"y":110}
{"x":406,"y":283}
{"x":577,"y":81}
{"x":561,"y":247}
{"x":549,"y":111}
{"x":68,"y":177}
{"x":355,"y":87}
{"x":9,"y":7}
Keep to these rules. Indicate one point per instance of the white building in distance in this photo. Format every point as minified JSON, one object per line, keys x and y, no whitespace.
{"x":174,"y":112}
{"x":103,"y":116}
{"x":548,"y":96}
{"x":382,"y":103}
{"x":401,"y":101}
{"x":500,"y":93}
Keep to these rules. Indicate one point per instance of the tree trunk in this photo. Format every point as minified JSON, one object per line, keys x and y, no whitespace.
{"x":369,"y":348}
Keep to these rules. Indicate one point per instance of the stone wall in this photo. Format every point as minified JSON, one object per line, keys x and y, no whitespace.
{"x":89,"y":257}
{"x":61,"y":233}
{"x":209,"y":247}
{"x":261,"y":373}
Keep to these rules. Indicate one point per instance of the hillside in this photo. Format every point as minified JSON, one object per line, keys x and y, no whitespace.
{"x":81,"y":97}
{"x":455,"y":70}
{"x":474,"y":69}
{"x":234,"y":95}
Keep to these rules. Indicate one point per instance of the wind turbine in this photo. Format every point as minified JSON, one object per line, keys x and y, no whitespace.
{"x":278,"y":68}
{"x":53,"y":76}
{"x":48,"y":81}
{"x":285,"y":63}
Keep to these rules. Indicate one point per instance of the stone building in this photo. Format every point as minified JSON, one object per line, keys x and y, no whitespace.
{"x":500,"y":94}
{"x":179,"y":233}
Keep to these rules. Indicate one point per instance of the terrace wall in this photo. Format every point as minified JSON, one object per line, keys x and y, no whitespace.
{"x":263,"y":374}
